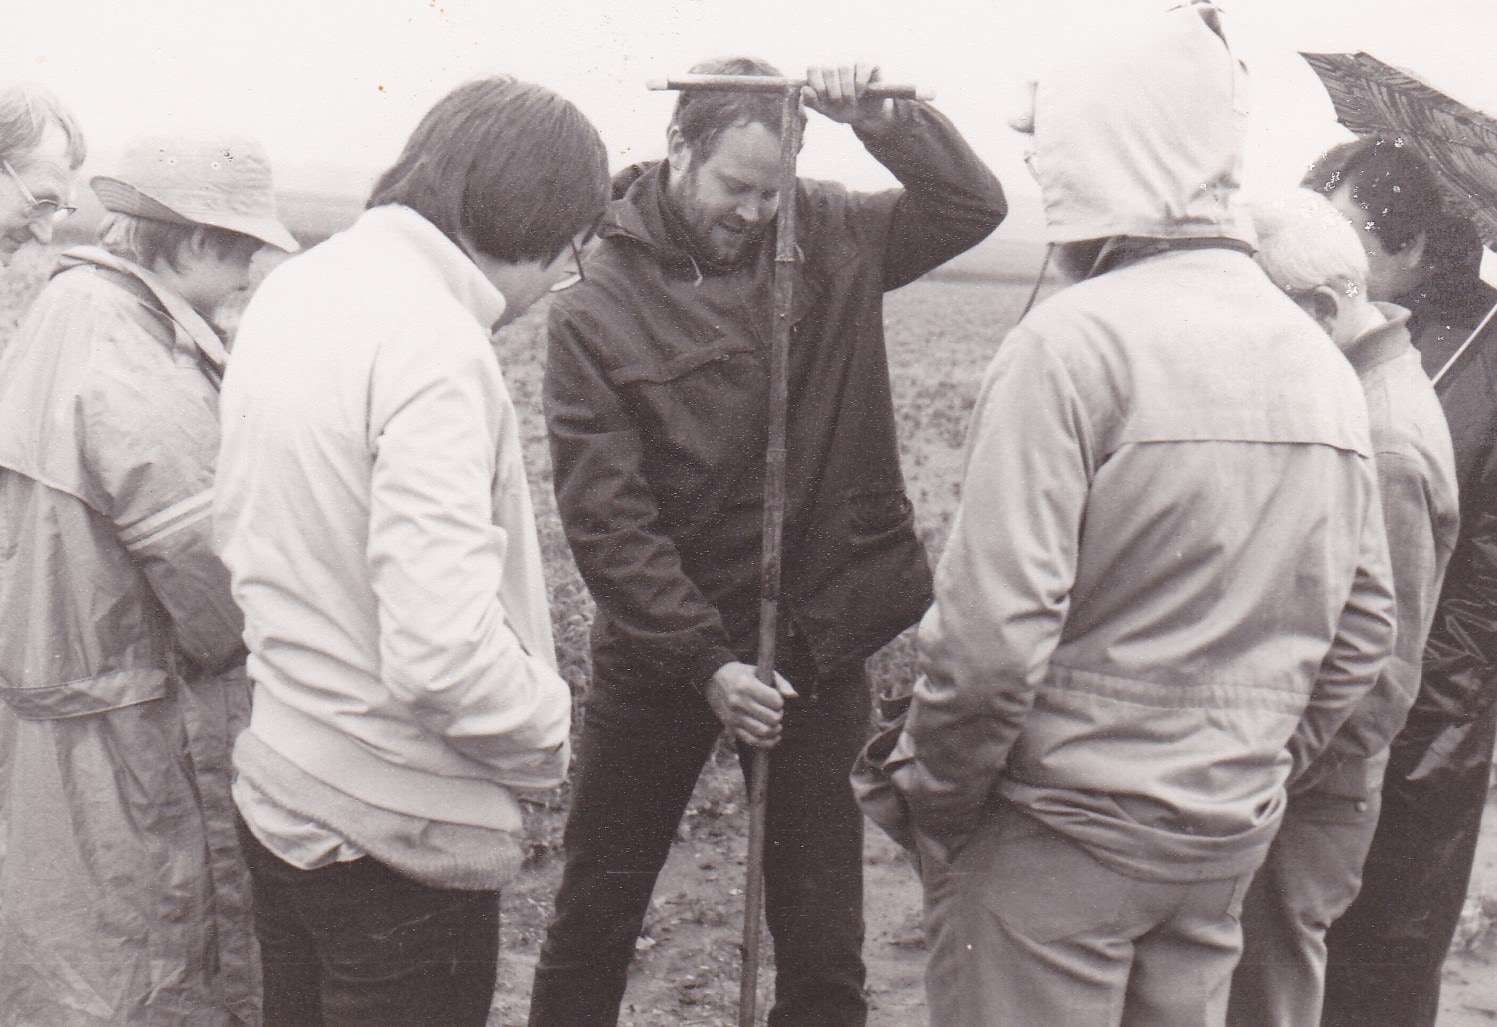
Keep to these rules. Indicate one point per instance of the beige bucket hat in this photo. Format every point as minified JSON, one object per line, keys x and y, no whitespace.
{"x":220,"y":182}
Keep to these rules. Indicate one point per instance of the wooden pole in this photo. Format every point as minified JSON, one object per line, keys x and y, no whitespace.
{"x":786,"y":257}
{"x":776,"y":84}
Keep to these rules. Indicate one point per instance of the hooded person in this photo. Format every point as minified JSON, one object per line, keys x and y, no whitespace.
{"x":1166,"y":584}
{"x":123,"y":897}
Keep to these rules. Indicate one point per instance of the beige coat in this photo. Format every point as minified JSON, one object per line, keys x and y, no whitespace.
{"x":1168,"y":582}
{"x":122,"y":896}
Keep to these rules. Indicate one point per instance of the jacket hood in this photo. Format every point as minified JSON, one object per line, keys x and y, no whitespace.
{"x":1143,"y":135}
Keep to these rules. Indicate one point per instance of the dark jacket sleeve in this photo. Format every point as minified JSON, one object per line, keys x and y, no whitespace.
{"x":611,"y":516}
{"x":950,"y":202}
{"x":1449,"y":730}
{"x":1450,"y":718}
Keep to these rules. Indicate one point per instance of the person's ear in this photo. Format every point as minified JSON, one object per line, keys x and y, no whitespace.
{"x":1322,"y":304}
{"x":1411,"y":257}
{"x":677,"y":151}
{"x":195,"y":246}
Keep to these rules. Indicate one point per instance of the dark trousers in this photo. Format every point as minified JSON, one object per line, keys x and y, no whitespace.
{"x":638,"y":760}
{"x":359,"y":944}
{"x":1386,"y":953}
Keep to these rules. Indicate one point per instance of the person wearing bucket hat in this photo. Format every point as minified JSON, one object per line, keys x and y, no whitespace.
{"x":193,"y":211}
{"x":41,"y":148}
{"x":122,"y":685}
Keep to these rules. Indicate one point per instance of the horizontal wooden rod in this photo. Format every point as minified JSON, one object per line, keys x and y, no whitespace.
{"x":775,"y":84}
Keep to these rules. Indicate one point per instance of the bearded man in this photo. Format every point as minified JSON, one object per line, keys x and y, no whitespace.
{"x":656,"y":393}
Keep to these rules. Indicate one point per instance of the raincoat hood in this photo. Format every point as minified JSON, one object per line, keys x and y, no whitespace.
{"x":1143,"y":135}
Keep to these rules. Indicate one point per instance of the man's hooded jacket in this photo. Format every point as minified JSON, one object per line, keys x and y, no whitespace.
{"x":1167,"y":583}
{"x":657,"y":390}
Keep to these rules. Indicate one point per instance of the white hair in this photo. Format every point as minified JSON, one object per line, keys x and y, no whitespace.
{"x":1304,"y":243}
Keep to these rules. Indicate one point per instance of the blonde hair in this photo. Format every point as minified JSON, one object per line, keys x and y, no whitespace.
{"x":1304,"y":243}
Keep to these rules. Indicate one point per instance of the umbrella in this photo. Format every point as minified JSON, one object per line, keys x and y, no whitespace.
{"x":1458,"y":142}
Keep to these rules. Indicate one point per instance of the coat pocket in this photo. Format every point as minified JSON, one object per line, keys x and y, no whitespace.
{"x":662,"y":368}
{"x":875,"y":512}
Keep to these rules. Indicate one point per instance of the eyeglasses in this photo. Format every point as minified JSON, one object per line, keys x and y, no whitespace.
{"x":37,"y":210}
{"x":576,"y":275}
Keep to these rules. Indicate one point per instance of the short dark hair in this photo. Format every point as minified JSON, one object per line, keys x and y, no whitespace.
{"x":701,"y":117}
{"x":27,"y":110}
{"x":511,"y":166}
{"x":1402,"y":198}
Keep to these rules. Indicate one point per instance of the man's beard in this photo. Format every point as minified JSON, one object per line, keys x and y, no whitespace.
{"x":726,"y":239}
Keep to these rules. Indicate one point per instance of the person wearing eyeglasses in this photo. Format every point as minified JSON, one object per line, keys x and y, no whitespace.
{"x":125,"y":899}
{"x":41,"y":149}
{"x":373,"y":510}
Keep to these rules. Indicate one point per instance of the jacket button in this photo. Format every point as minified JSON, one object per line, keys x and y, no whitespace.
{"x":1361,"y":806}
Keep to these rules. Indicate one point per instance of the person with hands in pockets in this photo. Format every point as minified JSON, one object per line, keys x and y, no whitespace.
{"x":374,"y":512}
{"x":1167,"y":582}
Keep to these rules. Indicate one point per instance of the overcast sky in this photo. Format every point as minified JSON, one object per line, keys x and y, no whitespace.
{"x":340,"y":83}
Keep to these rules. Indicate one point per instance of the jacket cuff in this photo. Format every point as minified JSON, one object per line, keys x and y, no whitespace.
{"x":892,"y":125}
{"x":705,"y":664}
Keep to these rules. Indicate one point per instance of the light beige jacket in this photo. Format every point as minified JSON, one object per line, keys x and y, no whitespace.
{"x":1167,"y":583}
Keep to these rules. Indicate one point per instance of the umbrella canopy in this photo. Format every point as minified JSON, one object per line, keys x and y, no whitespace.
{"x":1457,"y":142}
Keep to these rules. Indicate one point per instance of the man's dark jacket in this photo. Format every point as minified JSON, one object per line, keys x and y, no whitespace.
{"x":656,"y":398}
{"x":1451,"y":722}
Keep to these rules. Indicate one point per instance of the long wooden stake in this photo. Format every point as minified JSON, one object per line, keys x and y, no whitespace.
{"x":786,"y":256}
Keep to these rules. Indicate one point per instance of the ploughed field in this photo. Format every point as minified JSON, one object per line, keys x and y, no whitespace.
{"x":941,"y":334}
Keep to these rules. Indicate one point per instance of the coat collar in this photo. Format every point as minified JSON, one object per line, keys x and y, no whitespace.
{"x":1383,"y":342}
{"x":638,"y":214}
{"x":446,"y":259}
{"x":192,"y":330}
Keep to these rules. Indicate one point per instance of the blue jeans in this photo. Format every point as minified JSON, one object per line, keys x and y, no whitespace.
{"x":638,"y":759}
{"x":360,"y":945}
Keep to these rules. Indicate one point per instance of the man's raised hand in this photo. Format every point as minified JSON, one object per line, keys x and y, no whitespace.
{"x":840,"y":93}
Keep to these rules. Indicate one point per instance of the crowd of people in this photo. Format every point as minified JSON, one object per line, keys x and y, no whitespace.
{"x":1204,"y":722}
